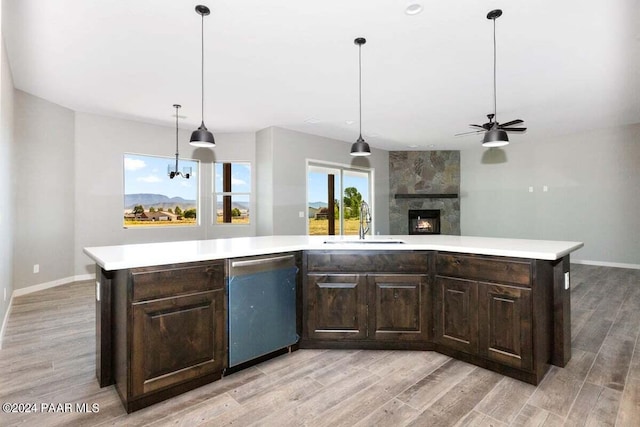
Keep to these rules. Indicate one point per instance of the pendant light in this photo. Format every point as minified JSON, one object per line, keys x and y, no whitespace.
{"x":187,"y":171}
{"x":495,"y":137}
{"x":360,"y":147}
{"x":201,"y":137}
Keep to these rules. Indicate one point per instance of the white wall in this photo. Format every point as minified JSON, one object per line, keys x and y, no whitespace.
{"x":44,"y":183}
{"x":289,"y":150}
{"x":100,"y":144}
{"x":7,"y":200}
{"x":593,"y":181}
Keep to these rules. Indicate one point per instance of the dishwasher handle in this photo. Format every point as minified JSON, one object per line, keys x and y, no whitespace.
{"x":252,"y":265}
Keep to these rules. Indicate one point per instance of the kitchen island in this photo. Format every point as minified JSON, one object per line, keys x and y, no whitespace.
{"x":162,"y":308}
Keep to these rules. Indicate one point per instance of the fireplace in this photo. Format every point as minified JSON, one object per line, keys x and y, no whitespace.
{"x":424,"y":221}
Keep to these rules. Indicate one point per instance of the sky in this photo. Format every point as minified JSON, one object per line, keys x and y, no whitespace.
{"x":149,"y":174}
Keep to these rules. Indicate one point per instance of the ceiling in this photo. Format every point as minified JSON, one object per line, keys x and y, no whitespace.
{"x":561,"y":66}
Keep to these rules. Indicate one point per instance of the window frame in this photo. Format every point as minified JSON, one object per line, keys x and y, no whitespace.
{"x":230,"y":194}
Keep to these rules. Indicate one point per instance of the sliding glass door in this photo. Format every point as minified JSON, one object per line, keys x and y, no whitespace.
{"x":334,"y":195}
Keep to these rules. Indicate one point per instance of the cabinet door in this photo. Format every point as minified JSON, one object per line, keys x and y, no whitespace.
{"x":455,"y":319}
{"x":176,"y":339}
{"x":505,"y":326}
{"x":398,"y":307}
{"x":336,"y":306}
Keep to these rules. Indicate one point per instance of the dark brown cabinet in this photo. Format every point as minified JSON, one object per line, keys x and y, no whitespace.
{"x":504,"y":325}
{"x":455,"y":314}
{"x":381,"y":297}
{"x":398,"y":307}
{"x":477,"y":315}
{"x":337,"y":306}
{"x":176,"y":321}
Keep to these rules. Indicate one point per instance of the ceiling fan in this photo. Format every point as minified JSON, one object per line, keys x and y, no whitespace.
{"x":495,"y":133}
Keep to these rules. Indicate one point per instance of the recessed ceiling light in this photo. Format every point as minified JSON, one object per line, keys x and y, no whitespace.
{"x":312,"y":120}
{"x":413,"y":9}
{"x":413,"y":146}
{"x":432,"y":145}
{"x":349,"y":122}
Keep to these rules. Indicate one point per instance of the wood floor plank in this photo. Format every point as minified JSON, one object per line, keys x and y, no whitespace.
{"x":464,"y":396}
{"x":433,"y":386}
{"x":595,"y":405}
{"x":557,"y":392}
{"x":506,"y":400}
{"x":478,"y":419}
{"x":393,"y":413}
{"x":612,"y":363}
{"x":629,"y":410}
{"x":532,"y":416}
{"x":324,"y":400}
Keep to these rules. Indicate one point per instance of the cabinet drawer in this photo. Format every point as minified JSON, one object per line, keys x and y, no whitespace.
{"x":368,"y":261}
{"x":484,"y":268}
{"x":174,"y":280}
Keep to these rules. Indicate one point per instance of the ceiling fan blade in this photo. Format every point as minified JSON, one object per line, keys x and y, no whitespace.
{"x":513,"y":129}
{"x":469,"y":133}
{"x":477,"y":126}
{"x":512,"y":122}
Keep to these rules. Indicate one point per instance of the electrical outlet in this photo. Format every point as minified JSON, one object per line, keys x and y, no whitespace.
{"x":530,"y":189}
{"x":36,"y":268}
{"x":301,"y":214}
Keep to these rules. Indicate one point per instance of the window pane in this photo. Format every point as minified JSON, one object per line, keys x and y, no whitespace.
{"x":356,"y":190}
{"x":232,"y":186}
{"x":351,"y":188}
{"x":237,"y":208}
{"x":318,"y":196}
{"x":151,"y":198}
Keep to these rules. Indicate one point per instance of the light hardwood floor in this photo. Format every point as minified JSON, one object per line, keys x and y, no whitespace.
{"x":48,"y":356}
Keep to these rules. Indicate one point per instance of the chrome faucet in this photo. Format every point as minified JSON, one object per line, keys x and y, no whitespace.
{"x":365,"y":217}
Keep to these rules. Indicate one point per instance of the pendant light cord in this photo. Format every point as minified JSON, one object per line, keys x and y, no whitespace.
{"x":495,"y":102}
{"x":360,"y":86}
{"x":202,"y":69}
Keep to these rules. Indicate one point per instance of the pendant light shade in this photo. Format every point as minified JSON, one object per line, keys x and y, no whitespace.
{"x":360,"y":147}
{"x":201,"y":137}
{"x":495,"y":138}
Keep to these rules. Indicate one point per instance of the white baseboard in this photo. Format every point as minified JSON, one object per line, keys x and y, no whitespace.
{"x":606,"y":264}
{"x":53,"y":284}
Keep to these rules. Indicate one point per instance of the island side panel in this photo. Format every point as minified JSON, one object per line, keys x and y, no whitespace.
{"x":561,"y":313}
{"x":103,"y":328}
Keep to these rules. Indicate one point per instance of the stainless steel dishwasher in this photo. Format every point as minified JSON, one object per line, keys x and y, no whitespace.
{"x":262,"y":306}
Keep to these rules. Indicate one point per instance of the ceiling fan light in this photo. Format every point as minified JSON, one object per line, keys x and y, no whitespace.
{"x":201,"y":137}
{"x":360,"y":148}
{"x":495,"y":138}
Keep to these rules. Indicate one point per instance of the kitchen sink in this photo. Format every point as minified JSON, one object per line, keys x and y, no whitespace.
{"x":364,"y":242}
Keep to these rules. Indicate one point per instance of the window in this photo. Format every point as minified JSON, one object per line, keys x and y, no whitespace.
{"x":151,"y":199}
{"x":232,"y":188}
{"x":347,"y":187}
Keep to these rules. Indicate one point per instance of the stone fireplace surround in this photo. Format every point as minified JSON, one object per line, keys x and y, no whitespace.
{"x":424,"y":180}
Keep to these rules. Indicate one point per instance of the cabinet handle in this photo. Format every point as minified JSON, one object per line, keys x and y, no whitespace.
{"x":254,"y":262}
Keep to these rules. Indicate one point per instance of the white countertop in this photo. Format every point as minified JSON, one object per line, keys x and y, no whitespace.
{"x":149,"y":254}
